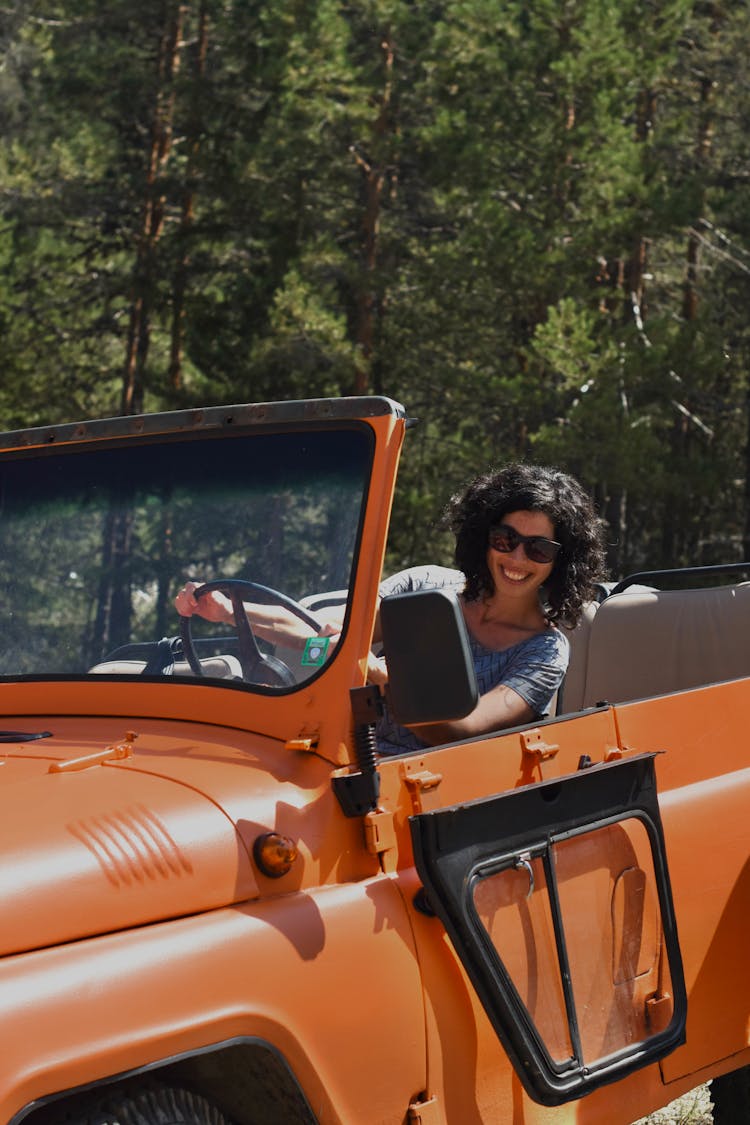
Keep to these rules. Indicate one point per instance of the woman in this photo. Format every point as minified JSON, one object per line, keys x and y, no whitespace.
{"x":529,"y":546}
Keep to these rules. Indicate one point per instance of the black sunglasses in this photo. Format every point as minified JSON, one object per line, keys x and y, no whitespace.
{"x":540,"y":550}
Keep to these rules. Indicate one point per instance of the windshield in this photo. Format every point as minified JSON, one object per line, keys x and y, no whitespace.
{"x":95,"y":543}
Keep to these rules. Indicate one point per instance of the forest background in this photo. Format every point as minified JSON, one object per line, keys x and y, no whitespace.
{"x":527,"y":221}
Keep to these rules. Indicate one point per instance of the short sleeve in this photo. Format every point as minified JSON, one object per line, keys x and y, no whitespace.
{"x":537,"y":669}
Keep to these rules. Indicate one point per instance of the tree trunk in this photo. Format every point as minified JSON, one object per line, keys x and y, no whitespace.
{"x":702,"y":151}
{"x":375,"y":174}
{"x":187,"y":217}
{"x":111,"y":627}
{"x":152,"y":212}
{"x":746,"y":528}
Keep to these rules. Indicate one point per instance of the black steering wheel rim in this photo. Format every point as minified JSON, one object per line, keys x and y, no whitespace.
{"x":252,"y":660}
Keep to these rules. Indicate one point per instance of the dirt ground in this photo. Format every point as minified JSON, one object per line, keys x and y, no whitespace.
{"x":691,"y":1109}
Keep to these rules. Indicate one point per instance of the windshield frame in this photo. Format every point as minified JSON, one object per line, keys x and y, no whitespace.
{"x":384,"y":418}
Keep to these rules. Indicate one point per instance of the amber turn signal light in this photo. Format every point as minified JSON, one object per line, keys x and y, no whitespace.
{"x":274,"y":854}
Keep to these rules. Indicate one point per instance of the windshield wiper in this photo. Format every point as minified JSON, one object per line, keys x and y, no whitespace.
{"x":23,"y":735}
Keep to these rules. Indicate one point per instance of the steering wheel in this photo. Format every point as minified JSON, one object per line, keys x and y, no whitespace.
{"x":256,"y":666}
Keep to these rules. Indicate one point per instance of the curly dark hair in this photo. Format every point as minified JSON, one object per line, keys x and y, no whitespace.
{"x":534,"y":488}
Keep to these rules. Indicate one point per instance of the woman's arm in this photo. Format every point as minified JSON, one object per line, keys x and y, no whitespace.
{"x":280,"y":626}
{"x":524,"y":692}
{"x":501,"y":707}
{"x":273,"y":623}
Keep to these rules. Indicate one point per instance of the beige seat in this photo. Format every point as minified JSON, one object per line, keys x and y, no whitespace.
{"x":222,"y":667}
{"x":650,"y":642}
{"x":570,"y":693}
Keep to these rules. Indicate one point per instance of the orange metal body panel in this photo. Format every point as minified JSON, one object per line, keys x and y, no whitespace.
{"x":704,"y":784}
{"x":135,"y":850}
{"x":329,"y":978}
{"x":469,"y":1070}
{"x":241,"y":785}
{"x":138,"y":927}
{"x":269,"y":968}
{"x":470,"y":770}
{"x":708,"y":841}
{"x":213,"y":990}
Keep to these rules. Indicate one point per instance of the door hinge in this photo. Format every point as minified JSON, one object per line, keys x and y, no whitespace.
{"x":659,"y":1010}
{"x":420,"y":781}
{"x":305,"y":744}
{"x":380,"y":833}
{"x":534,"y":746}
{"x":425,"y":1113}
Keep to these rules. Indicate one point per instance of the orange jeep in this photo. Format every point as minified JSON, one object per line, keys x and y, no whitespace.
{"x":221,"y":906}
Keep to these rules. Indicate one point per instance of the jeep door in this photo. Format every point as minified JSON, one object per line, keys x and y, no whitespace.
{"x":556,"y":897}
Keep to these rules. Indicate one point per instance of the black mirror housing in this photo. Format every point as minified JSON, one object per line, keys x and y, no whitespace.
{"x":430,"y":667}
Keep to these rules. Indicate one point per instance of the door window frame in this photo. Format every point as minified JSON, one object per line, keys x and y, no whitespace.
{"x":456,"y":847}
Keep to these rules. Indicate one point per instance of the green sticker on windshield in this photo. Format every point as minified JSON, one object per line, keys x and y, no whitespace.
{"x":316,"y":650}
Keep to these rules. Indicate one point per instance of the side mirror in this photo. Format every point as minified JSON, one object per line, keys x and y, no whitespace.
{"x":430,"y":667}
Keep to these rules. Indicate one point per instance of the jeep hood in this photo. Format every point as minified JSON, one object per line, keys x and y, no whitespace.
{"x":100,"y":846}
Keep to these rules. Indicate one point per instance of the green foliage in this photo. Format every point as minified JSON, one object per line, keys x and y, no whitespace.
{"x":526,"y":221}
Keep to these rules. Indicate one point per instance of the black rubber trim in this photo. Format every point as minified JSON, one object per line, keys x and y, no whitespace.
{"x":455,"y":845}
{"x":153,"y":1069}
{"x":650,"y":577}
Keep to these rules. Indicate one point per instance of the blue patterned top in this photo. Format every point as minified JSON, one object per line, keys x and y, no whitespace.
{"x":533,"y":668}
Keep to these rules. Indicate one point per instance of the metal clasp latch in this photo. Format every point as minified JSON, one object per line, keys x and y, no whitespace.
{"x":534,"y":746}
{"x":523,"y":862}
{"x":420,"y":781}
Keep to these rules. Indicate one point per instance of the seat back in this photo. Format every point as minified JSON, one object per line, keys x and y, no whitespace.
{"x":570,"y":692}
{"x":225,"y":667}
{"x":651,"y":642}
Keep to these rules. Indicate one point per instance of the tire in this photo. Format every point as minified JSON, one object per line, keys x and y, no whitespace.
{"x":157,"y":1105}
{"x":730,"y":1095}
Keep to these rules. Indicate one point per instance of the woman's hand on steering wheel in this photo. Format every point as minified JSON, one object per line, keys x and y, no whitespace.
{"x":213,"y":605}
{"x":230,"y":607}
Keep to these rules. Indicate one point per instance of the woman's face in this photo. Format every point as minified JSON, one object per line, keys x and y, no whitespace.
{"x":512,"y":571}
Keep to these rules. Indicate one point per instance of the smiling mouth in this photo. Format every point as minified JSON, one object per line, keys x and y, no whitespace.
{"x":514,"y":575}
